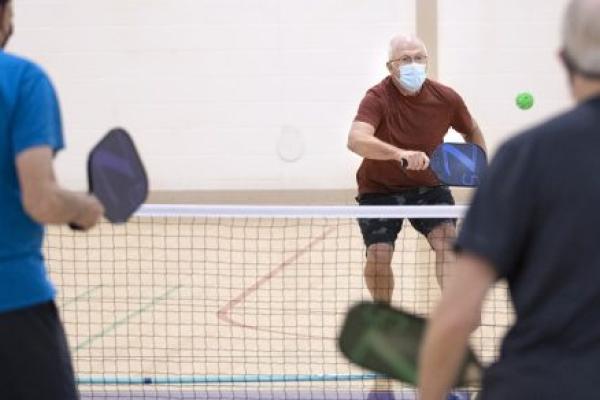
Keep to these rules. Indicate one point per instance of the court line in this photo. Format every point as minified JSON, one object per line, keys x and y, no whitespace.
{"x":252,"y":394}
{"x":221,"y":379}
{"x":86,"y":294}
{"x":115,"y":324}
{"x":224,"y":313}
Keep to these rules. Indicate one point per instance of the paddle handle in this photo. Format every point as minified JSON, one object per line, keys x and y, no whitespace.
{"x":75,"y":227}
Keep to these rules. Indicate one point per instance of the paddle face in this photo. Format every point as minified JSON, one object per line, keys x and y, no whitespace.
{"x":386,"y":340}
{"x":116,"y":176}
{"x":459,"y":164}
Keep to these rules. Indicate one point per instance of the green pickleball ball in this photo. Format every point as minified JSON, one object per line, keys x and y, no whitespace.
{"x":525,"y":100}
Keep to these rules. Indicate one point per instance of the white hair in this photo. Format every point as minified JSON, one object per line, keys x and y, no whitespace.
{"x":581,"y":35}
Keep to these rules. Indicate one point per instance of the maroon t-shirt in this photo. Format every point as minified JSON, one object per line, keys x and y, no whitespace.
{"x":412,"y":123}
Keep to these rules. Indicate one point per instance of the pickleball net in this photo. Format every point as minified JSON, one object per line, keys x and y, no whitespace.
{"x":224,"y":302}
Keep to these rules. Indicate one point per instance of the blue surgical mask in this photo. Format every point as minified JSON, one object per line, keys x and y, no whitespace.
{"x":412,"y":76}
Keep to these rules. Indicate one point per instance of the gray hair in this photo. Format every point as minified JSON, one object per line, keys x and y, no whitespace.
{"x":581,"y":36}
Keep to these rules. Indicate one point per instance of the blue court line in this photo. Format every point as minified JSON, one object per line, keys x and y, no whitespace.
{"x":126,"y":318}
{"x":219,"y":379}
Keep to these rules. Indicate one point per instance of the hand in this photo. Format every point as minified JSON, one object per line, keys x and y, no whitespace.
{"x":90,"y":214}
{"x":413,"y":160}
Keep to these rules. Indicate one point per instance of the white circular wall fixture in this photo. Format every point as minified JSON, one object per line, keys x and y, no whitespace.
{"x":290,"y":146}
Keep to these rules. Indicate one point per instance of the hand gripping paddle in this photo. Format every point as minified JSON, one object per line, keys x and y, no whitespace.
{"x":458,"y":164}
{"x":387,"y":340}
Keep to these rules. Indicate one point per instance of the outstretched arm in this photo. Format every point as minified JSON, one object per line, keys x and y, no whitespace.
{"x":362,"y":141}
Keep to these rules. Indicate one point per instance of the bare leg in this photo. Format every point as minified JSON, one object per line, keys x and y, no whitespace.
{"x":441,"y":240}
{"x":380,"y":282}
{"x":378,"y":272}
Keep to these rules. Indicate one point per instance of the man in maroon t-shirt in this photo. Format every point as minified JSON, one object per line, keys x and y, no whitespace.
{"x":405,"y":117}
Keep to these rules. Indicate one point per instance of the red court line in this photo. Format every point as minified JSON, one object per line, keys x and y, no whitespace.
{"x":224,"y":313}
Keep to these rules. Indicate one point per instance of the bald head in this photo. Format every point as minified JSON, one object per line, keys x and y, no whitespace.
{"x":400,"y":45}
{"x":581,"y":36}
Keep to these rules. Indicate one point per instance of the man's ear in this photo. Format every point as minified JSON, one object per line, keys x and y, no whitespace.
{"x":389,"y":68}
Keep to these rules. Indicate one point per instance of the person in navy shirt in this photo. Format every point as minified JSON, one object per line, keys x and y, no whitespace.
{"x":535,"y":223}
{"x":35,"y":362}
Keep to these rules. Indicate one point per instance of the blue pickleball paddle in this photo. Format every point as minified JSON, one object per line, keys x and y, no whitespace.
{"x":459,"y":164}
{"x":116,"y":176}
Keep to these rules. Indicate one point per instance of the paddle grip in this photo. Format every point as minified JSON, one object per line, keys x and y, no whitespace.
{"x":75,"y":227}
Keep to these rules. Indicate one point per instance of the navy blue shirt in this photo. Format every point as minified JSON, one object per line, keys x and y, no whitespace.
{"x":29,"y":117}
{"x":536,"y":219}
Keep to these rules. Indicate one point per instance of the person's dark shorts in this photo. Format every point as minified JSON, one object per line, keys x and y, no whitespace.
{"x":35,"y":362}
{"x":381,"y":230}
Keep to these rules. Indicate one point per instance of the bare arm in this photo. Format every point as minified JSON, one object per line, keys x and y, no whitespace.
{"x":454,"y":319}
{"x":476,"y":137}
{"x":44,"y":200}
{"x":362,"y":141}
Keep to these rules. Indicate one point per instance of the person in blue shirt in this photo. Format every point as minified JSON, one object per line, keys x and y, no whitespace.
{"x":35,"y":362}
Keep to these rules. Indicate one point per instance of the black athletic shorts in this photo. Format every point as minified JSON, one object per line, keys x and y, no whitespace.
{"x":381,"y":230}
{"x":35,"y":362}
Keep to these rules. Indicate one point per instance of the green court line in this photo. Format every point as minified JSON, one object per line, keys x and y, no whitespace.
{"x":126,"y":318}
{"x":86,"y":294}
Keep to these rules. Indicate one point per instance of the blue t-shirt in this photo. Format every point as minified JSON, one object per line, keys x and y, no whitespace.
{"x":29,"y":117}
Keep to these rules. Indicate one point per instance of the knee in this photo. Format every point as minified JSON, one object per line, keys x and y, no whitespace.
{"x":442,"y":238}
{"x":442,"y":246}
{"x":380,"y":253}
